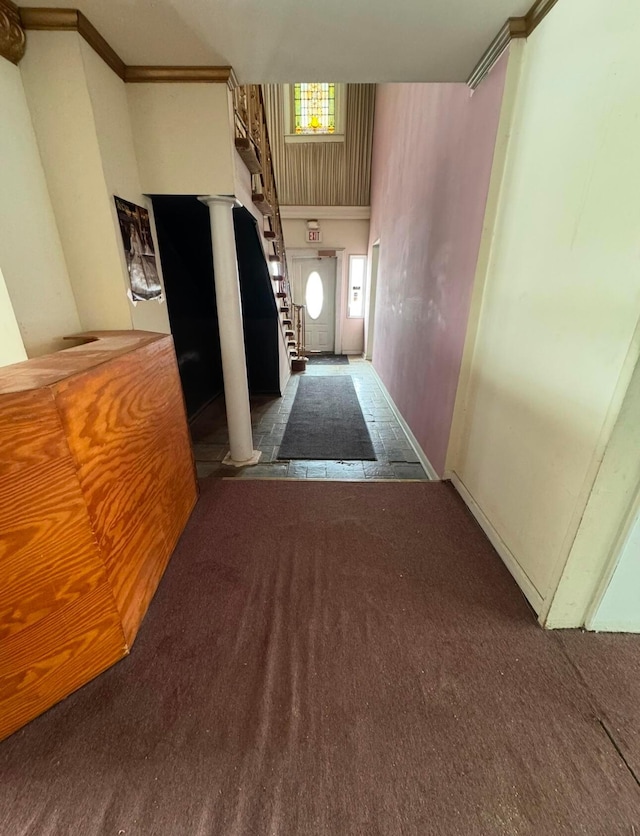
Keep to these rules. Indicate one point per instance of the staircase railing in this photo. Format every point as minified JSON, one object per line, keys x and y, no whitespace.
{"x":252,"y":143}
{"x":299,"y":324}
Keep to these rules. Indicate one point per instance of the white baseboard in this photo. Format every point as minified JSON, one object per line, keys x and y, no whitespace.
{"x":413,"y":441}
{"x":508,"y":558}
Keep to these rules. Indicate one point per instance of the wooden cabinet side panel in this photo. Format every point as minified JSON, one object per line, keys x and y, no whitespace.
{"x":54,"y":657}
{"x":126,"y":428}
{"x":30,"y":431}
{"x":48,"y":554}
{"x":51,"y":575}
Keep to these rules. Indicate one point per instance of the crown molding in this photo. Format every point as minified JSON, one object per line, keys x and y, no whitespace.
{"x":72,"y":20}
{"x":318,"y":213}
{"x":12,"y":37}
{"x":537,"y":13}
{"x":164,"y":75}
{"x":515,"y":27}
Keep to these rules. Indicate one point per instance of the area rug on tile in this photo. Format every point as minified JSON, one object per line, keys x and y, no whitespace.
{"x":326,"y":422}
{"x":328,"y":360}
{"x":327,"y":659}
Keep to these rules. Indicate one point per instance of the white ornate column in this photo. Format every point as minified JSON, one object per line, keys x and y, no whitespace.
{"x":229,"y":305}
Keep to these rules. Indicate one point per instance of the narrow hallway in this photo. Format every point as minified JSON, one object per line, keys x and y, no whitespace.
{"x":395,"y":457}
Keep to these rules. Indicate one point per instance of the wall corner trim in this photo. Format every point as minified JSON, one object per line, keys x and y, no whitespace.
{"x":72,"y":20}
{"x":12,"y":37}
{"x":505,"y":553}
{"x":515,"y":27}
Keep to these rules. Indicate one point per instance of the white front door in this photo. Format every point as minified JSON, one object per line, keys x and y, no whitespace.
{"x":314,"y":286}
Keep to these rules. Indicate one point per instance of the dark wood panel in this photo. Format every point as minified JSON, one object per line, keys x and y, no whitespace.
{"x":49,"y":660}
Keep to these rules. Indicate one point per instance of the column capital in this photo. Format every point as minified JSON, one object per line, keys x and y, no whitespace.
{"x":225,"y":199}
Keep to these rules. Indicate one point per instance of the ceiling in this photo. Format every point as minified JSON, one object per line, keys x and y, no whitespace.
{"x":299,"y":40}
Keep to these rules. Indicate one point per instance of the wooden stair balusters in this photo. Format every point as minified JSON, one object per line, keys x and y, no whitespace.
{"x":253,"y":146}
{"x":299,"y":362}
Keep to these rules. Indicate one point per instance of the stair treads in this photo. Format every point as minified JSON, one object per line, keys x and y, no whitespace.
{"x":328,"y":360}
{"x":326,"y":422}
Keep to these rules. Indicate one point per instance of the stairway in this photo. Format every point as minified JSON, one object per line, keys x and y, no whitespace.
{"x":252,"y":144}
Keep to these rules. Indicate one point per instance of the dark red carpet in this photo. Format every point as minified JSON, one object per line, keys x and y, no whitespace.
{"x":609,"y":664}
{"x":327,"y":659}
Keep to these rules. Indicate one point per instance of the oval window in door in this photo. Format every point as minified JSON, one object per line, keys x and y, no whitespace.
{"x":314,"y":295}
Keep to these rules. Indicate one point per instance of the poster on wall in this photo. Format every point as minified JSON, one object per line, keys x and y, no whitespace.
{"x":135,"y":228}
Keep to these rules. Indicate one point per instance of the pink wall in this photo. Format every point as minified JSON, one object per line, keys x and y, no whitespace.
{"x":432,"y":154}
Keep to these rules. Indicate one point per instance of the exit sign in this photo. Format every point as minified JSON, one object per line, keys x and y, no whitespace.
{"x":314,"y":236}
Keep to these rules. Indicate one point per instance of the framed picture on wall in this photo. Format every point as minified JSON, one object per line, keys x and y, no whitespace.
{"x":140,"y":255}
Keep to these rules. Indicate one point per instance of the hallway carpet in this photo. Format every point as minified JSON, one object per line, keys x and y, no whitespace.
{"x":326,"y":422}
{"x":327,"y":659}
{"x":328,"y":360}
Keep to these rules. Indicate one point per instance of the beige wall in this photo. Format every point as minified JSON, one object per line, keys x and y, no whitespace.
{"x":11,"y":346}
{"x":62,"y":112}
{"x":31,"y":256}
{"x":120,"y":168}
{"x":183,"y":138}
{"x":554,"y":345}
{"x":352,"y":238}
{"x":81,"y":113}
{"x":608,"y":513}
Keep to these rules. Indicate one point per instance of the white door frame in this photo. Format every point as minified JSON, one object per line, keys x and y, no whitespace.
{"x":339,"y":300}
{"x":612,"y":562}
{"x":373,"y":266}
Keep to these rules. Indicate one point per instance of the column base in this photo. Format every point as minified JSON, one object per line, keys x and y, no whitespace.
{"x":255,"y":458}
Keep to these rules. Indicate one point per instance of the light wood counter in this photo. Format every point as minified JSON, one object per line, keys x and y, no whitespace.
{"x":96,"y":485}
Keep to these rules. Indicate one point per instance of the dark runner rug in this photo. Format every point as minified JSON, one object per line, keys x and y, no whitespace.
{"x":326,"y":422}
{"x":328,"y":360}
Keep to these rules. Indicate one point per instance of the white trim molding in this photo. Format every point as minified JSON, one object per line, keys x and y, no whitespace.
{"x":507,"y":556}
{"x":317,"y":213}
{"x":413,"y":441}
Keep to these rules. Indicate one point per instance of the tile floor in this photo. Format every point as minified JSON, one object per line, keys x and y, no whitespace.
{"x":396,"y":458}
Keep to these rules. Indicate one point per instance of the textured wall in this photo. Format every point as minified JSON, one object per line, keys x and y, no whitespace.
{"x":324,"y":173}
{"x":432,"y":156}
{"x":558,"y":333}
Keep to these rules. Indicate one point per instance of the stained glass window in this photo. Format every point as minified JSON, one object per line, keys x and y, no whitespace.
{"x":315,"y":108}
